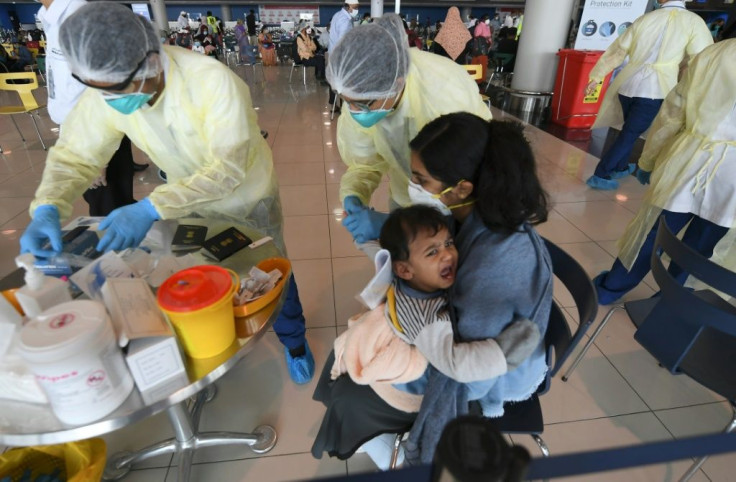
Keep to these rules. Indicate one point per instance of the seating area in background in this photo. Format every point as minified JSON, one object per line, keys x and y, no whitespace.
{"x":24,"y":83}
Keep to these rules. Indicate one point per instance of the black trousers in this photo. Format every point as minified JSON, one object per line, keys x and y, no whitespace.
{"x":318,"y":62}
{"x":119,"y":189}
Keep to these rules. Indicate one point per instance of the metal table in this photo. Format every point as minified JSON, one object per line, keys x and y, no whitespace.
{"x":23,"y":424}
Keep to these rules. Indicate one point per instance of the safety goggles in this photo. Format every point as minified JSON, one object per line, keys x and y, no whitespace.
{"x":364,"y":106}
{"x":121,"y":85}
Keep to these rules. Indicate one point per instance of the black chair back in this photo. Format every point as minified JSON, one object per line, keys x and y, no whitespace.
{"x":678,"y":322}
{"x":577,"y":282}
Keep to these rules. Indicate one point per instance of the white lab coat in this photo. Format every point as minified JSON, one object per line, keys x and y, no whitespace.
{"x":63,"y":89}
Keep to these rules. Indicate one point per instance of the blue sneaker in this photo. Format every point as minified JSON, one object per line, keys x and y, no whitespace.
{"x":603,"y":184}
{"x":626,"y":172}
{"x":301,"y":368}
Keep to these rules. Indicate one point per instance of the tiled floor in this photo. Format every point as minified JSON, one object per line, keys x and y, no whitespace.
{"x":618,"y":396}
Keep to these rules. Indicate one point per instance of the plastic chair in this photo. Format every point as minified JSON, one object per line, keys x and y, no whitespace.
{"x":526,"y":417}
{"x":500,"y":72}
{"x":476,"y":73}
{"x":251,"y":52}
{"x":297,"y":62}
{"x":30,"y":106}
{"x":689,"y":332}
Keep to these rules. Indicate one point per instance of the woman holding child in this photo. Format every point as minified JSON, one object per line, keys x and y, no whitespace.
{"x":483,"y":174}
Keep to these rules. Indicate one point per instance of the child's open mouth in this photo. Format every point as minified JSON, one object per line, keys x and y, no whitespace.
{"x":448,"y":273}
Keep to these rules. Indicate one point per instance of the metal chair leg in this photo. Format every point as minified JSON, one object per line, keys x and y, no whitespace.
{"x":291,"y":72}
{"x":304,"y":74}
{"x":592,"y":339}
{"x":699,"y":462}
{"x":540,"y":443}
{"x":395,"y":452}
{"x":38,"y":131}
{"x":17,"y":128}
{"x":332,"y":114}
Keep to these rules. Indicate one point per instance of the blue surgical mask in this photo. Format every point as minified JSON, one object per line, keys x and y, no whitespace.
{"x":370,"y":118}
{"x":129,"y":103}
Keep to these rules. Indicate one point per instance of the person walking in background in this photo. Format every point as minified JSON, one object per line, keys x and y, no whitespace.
{"x":250,"y":22}
{"x":655,"y":44}
{"x":341,"y":23}
{"x":183,"y":20}
{"x":267,"y":48}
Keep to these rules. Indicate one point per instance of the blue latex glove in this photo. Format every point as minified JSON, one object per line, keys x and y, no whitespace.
{"x":45,"y":225}
{"x":352,"y":205}
{"x":365,"y":225}
{"x":126,"y":227}
{"x":643,"y":176}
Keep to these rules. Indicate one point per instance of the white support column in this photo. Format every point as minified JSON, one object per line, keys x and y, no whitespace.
{"x":376,"y":8}
{"x":159,"y":14}
{"x":397,"y":6}
{"x":545,"y":31}
{"x":227,"y":13}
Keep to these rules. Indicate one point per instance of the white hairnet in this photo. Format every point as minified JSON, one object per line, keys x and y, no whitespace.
{"x":371,"y":61}
{"x":105,"y":42}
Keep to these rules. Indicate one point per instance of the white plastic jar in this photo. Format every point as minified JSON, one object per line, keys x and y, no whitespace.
{"x":72,"y":351}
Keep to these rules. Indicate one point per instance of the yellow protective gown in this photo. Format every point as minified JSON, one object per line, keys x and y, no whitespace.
{"x":691,"y":153}
{"x":434,"y":86}
{"x":202,"y":131}
{"x":686,"y":35}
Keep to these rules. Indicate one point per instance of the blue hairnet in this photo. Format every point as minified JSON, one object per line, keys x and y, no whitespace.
{"x":371,"y":61}
{"x":105,"y":42}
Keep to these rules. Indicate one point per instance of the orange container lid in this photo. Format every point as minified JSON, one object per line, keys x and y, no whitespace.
{"x":194,"y":288}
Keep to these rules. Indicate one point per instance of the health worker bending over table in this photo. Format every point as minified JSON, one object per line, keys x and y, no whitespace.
{"x":391,"y":92}
{"x":217,"y":163}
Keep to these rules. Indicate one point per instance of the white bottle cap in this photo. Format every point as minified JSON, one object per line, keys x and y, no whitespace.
{"x":33,"y":278}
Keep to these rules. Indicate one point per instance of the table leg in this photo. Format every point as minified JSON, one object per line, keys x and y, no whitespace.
{"x":187,"y":440}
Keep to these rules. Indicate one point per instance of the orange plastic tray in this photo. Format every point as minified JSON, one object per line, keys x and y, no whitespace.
{"x":283,"y":265}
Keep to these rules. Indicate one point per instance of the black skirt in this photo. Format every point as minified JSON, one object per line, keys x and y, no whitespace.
{"x":355,"y":414}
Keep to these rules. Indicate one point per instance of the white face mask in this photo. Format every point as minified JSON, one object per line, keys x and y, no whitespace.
{"x":354,"y":13}
{"x":419,"y":195}
{"x":488,"y":22}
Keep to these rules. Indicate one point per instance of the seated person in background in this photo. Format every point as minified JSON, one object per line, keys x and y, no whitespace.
{"x":508,"y":44}
{"x":198,"y":47}
{"x":20,"y":58}
{"x":210,"y":46}
{"x":183,"y":39}
{"x":393,"y":343}
{"x":308,"y":52}
{"x":267,"y":48}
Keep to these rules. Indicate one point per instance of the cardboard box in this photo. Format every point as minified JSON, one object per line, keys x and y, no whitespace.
{"x":152,"y":353}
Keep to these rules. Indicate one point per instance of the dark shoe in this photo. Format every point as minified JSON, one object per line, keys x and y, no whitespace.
{"x":162,"y":175}
{"x":264,"y":134}
{"x":139,"y":167}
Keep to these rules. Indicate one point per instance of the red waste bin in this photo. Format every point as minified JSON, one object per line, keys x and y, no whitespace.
{"x":570,"y":106}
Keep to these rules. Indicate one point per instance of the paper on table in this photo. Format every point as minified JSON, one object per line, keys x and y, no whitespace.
{"x":375,"y":291}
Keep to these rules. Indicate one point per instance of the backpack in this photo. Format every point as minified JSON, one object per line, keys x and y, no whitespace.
{"x":478,"y":46}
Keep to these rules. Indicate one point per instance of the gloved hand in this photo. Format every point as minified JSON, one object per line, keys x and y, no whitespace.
{"x":352,"y":205}
{"x":365,"y":225}
{"x":643,"y":176}
{"x":518,"y":341}
{"x":126,"y":227}
{"x":44,"y":225}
